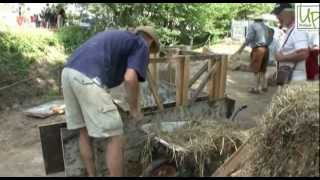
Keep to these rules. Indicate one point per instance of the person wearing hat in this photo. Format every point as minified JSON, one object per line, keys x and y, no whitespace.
{"x":294,"y":49}
{"x":258,"y":37}
{"x":99,"y":64}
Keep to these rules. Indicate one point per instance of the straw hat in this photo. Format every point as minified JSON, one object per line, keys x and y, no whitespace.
{"x":149,"y":30}
{"x":255,"y":16}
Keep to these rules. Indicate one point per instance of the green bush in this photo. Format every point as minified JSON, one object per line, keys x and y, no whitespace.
{"x":20,"y":48}
{"x":167,"y":37}
{"x":73,"y":36}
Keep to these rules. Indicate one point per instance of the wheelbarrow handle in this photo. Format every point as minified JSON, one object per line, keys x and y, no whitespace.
{"x":237,"y":111}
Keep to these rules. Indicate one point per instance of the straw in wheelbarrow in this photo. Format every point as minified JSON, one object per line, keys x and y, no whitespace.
{"x":202,"y":142}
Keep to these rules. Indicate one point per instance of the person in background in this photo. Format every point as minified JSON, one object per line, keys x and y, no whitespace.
{"x":258,"y":39}
{"x":312,"y":62}
{"x":61,"y":18}
{"x":20,"y":18}
{"x":47,"y":14}
{"x":294,"y":48}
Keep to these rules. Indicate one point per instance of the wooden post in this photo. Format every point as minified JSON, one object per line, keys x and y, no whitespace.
{"x":223,"y":76}
{"x":216,"y":81}
{"x":179,"y":80}
{"x":185,"y":81}
{"x":154,"y":90}
{"x":210,"y":86}
{"x":154,"y":74}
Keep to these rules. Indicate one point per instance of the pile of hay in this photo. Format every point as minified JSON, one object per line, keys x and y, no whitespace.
{"x":288,"y":142}
{"x":206,"y":144}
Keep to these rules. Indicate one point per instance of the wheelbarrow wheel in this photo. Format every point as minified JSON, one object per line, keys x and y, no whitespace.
{"x":160,"y":167}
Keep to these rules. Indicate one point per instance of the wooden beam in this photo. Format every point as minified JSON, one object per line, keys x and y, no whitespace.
{"x":185,"y":81}
{"x":153,"y":90}
{"x":186,"y":52}
{"x":203,"y":83}
{"x":210,"y":82}
{"x":236,"y":160}
{"x":198,"y":74}
{"x":154,"y":73}
{"x":216,"y":81}
{"x":179,"y":85}
{"x":223,"y":76}
{"x":201,"y":57}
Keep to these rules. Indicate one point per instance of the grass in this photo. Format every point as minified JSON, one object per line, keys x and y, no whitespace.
{"x":23,"y":53}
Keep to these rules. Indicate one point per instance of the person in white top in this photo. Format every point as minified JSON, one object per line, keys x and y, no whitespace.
{"x":294,"y":48}
{"x":278,"y":36}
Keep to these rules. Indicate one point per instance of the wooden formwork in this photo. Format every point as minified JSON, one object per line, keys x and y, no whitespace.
{"x":215,"y":78}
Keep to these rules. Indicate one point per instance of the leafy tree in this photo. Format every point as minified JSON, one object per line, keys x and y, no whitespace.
{"x":183,"y":23}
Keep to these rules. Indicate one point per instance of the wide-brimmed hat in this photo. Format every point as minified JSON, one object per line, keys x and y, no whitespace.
{"x":149,"y":30}
{"x":255,"y":16}
{"x":282,"y":6}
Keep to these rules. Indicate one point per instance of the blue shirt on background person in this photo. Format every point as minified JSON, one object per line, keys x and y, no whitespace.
{"x":106,"y":56}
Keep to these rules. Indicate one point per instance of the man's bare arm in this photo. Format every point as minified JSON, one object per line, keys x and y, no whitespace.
{"x":295,"y":56}
{"x":132,"y":88}
{"x":239,"y":51}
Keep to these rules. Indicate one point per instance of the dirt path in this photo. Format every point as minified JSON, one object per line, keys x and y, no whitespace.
{"x":20,"y":150}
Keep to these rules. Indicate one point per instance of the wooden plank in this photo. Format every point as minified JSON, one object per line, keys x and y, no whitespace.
{"x":153,"y":69}
{"x":236,"y":160}
{"x":154,"y":91}
{"x":210,"y":86}
{"x":216,"y":81}
{"x":185,"y":81}
{"x":188,"y":52}
{"x":223,"y":76}
{"x":51,"y":147}
{"x":198,"y":74}
{"x":154,"y":73}
{"x":215,"y":57}
{"x":211,"y":81}
{"x":179,"y":77}
{"x":203,"y":83}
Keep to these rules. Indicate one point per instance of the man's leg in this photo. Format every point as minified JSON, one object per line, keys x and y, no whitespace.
{"x":264,"y":81}
{"x":74,"y":118}
{"x":256,"y":88}
{"x":260,"y":81}
{"x":86,"y":152}
{"x":114,"y":156}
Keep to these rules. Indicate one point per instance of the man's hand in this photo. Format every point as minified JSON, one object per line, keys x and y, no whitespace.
{"x":279,"y":56}
{"x":135,"y":118}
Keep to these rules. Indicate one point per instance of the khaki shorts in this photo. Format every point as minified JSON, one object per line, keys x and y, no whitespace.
{"x":89,"y":105}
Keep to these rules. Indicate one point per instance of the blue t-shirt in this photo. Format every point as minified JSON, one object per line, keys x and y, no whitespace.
{"x":108,"y":54}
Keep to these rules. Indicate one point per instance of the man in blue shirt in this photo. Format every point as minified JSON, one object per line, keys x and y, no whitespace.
{"x":103,"y":62}
{"x":259,"y":38}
